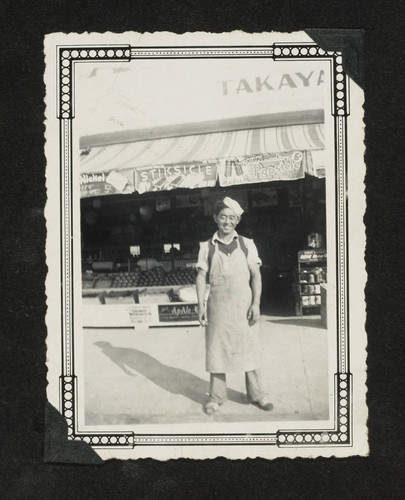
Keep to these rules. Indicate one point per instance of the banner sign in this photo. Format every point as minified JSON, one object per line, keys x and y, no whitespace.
{"x":264,"y":167}
{"x":177,"y":312}
{"x":104,"y":183}
{"x":167,"y":177}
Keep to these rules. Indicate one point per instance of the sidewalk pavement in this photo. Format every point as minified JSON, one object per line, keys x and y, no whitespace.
{"x":158,"y":375}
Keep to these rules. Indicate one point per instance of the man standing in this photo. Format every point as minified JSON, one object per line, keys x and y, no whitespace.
{"x":233,"y":309}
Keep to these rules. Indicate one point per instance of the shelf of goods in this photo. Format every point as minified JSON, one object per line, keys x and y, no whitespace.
{"x":310,"y":274}
{"x":140,"y":298}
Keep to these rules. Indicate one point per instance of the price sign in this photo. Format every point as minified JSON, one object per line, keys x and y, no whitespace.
{"x":140,"y":314}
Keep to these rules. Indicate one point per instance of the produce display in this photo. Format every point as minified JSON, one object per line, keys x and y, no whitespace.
{"x":126,"y":280}
{"x":181,"y":276}
{"x":149,"y":278}
{"x":103,"y":282}
{"x":87,"y":280}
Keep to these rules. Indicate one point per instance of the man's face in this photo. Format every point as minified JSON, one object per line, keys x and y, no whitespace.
{"x":226,"y":220}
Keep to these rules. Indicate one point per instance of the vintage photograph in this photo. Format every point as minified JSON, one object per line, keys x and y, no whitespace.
{"x":199,"y":228}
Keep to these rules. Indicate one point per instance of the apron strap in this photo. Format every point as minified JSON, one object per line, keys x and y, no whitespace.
{"x":211,"y":250}
{"x":242,"y":245}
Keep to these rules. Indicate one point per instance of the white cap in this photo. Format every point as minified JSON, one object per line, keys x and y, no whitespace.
{"x":233,"y":205}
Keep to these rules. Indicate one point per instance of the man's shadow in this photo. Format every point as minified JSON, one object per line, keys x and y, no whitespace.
{"x":173,"y":380}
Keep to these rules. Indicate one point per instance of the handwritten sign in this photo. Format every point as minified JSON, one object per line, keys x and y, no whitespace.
{"x":140,"y":314}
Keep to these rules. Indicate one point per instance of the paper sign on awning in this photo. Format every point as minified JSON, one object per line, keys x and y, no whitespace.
{"x":167,"y":177}
{"x":104,"y":183}
{"x":263,"y":168}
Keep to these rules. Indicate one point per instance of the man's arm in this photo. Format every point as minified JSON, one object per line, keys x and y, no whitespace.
{"x":200,"y":287}
{"x":256,"y":285}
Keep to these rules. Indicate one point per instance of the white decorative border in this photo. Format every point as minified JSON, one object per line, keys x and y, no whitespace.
{"x":341,"y":433}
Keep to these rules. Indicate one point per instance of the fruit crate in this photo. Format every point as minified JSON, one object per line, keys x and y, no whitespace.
{"x":137,"y":278}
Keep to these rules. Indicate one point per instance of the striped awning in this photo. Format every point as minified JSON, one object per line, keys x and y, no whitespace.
{"x":202,"y":147}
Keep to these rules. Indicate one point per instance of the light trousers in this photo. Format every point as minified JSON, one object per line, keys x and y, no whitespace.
{"x":218,"y":389}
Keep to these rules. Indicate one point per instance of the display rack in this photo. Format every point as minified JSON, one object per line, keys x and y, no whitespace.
{"x":311,"y":273}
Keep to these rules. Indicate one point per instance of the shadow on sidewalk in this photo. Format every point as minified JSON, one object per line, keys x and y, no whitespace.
{"x":174,"y":380}
{"x":299,"y":321}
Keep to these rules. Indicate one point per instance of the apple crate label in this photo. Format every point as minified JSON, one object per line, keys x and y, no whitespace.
{"x":140,"y":314}
{"x":178,"y":312}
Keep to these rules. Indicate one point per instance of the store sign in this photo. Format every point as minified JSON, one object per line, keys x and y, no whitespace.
{"x":272,"y":82}
{"x":311,"y":255}
{"x":262,"y":168}
{"x":104,"y":183}
{"x":167,"y":177}
{"x":203,"y":90}
{"x":177,"y":313}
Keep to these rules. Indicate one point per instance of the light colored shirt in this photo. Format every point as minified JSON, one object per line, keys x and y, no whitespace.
{"x":253,"y":258}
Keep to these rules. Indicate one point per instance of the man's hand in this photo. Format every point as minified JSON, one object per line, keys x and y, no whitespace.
{"x":253,"y":314}
{"x":202,"y":315}
{"x":200,"y":287}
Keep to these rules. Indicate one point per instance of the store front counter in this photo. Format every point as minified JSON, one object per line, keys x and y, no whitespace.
{"x":140,"y":307}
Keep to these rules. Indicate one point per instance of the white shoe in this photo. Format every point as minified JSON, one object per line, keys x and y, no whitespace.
{"x":211,"y":407}
{"x":263,"y":403}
